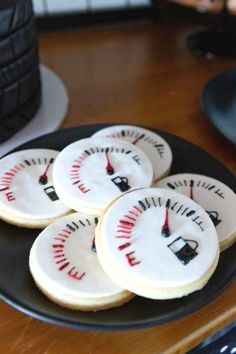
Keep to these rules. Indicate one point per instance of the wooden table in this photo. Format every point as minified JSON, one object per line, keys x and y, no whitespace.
{"x":139,"y":74}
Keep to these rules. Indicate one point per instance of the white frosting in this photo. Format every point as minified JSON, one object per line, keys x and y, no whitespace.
{"x":62,"y":261}
{"x":154,"y":146}
{"x":140,"y":256}
{"x":213,"y":195}
{"x":21,"y":193}
{"x":81,"y":178}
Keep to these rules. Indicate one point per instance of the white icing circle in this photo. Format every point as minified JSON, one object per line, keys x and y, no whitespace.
{"x":81,"y":178}
{"x":132,"y":249}
{"x":62,"y":261}
{"x":214,"y":196}
{"x":154,"y":146}
{"x":21,"y":193}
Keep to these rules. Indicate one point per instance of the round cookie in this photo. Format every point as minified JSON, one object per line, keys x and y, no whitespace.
{"x":154,"y":146}
{"x":64,"y":265}
{"x":91,"y":172}
{"x":157,"y":243}
{"x":27,"y":194}
{"x":218,"y":200}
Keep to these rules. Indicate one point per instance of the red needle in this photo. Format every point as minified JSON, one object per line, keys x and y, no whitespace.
{"x":109,"y":168}
{"x":191,"y":189}
{"x":43,"y":179}
{"x":137,"y":139}
{"x":165,"y":230}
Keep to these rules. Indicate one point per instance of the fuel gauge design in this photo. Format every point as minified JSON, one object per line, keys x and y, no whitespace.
{"x":154,"y":146}
{"x":218,"y":200}
{"x":64,"y":265}
{"x":92,"y":172}
{"x":27,"y":194}
{"x":157,"y":243}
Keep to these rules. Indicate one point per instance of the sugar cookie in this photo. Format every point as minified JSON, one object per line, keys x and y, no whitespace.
{"x":90,"y":173}
{"x":27,"y":195}
{"x":154,"y":146}
{"x":64,"y":265}
{"x":218,"y":200}
{"x":157,"y":243}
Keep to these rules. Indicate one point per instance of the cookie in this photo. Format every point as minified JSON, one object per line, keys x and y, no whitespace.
{"x":90,"y":173}
{"x":64,"y":265}
{"x":218,"y":200}
{"x":154,"y":146}
{"x":27,"y":194}
{"x":157,"y":243}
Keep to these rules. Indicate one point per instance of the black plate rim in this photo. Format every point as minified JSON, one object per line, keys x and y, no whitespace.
{"x":108,"y":328}
{"x":115,"y":327}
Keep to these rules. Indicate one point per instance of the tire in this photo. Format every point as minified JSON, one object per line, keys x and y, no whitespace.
{"x":15,"y":71}
{"x":14,"y":14}
{"x":19,"y":119}
{"x":17,"y":94}
{"x":20,"y":86}
{"x":17,"y":43}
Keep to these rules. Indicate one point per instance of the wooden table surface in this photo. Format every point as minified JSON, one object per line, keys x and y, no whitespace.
{"x":140,"y":74}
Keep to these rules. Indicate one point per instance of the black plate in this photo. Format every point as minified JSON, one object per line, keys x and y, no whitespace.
{"x":17,"y":287}
{"x":219,"y":103}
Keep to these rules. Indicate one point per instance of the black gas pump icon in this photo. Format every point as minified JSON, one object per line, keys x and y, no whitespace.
{"x":50,"y":191}
{"x":122,"y":183}
{"x":214,"y":215}
{"x":185,"y":250}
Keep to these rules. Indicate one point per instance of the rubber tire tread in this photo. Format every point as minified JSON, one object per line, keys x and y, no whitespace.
{"x":14,"y":14}
{"x":17,"y":44}
{"x":18,"y":93}
{"x":15,"y":71}
{"x":20,"y":85}
{"x":16,"y":121}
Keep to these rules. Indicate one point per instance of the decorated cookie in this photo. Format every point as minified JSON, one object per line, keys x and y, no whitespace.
{"x":157,"y":243}
{"x":218,"y":200}
{"x":90,"y":173}
{"x":27,"y":194}
{"x":154,"y":146}
{"x":64,"y":265}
